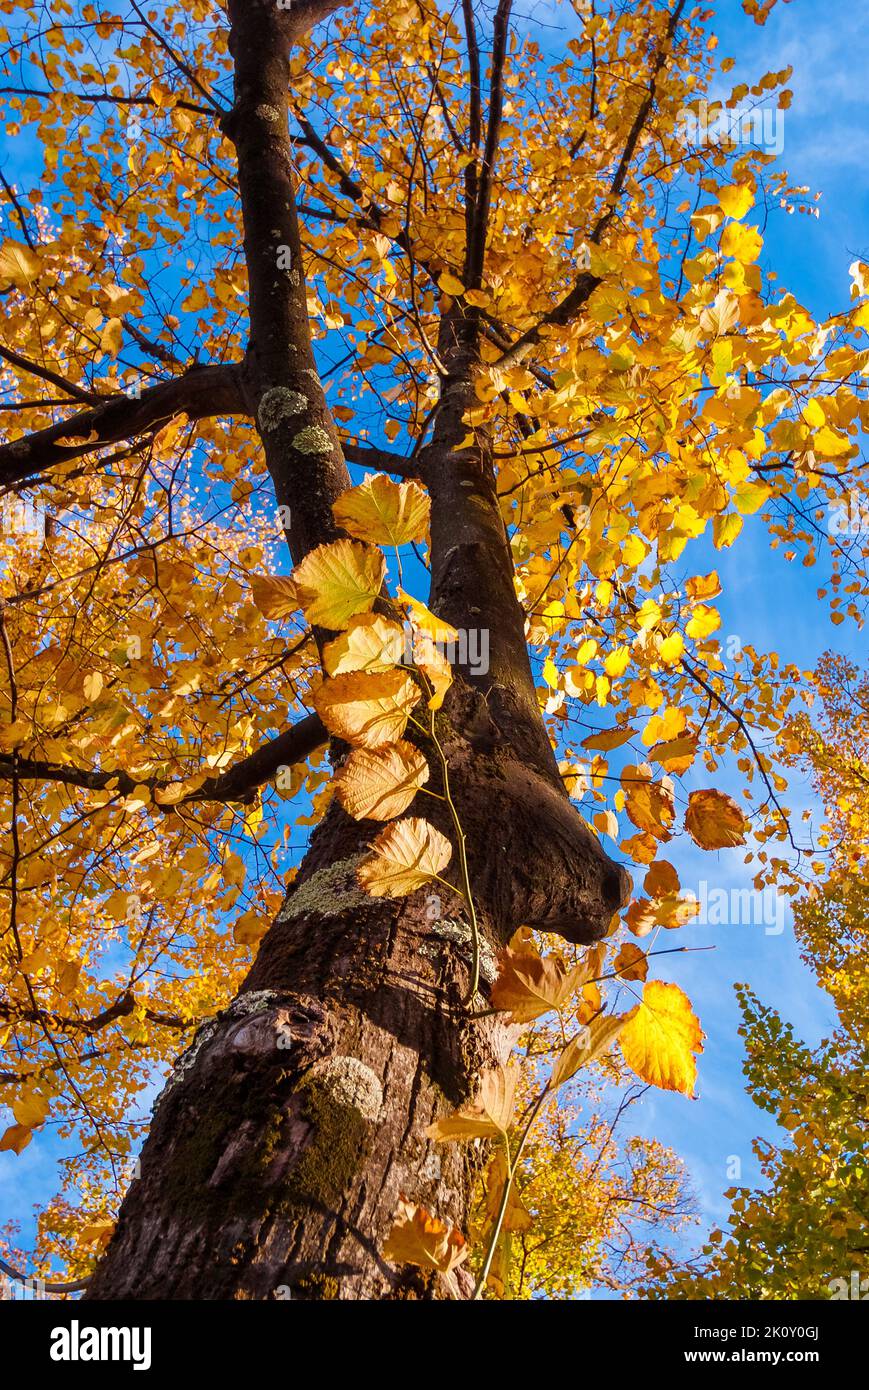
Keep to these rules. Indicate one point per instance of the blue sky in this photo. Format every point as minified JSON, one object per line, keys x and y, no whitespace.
{"x":766,"y":602}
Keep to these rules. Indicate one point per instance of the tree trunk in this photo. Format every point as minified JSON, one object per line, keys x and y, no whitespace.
{"x":295,"y":1122}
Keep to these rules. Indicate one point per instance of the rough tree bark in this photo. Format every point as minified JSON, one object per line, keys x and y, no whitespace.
{"x":289,"y":1130}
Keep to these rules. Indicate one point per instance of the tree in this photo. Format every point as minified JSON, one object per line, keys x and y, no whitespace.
{"x":476,"y":268}
{"x":803,"y":1235}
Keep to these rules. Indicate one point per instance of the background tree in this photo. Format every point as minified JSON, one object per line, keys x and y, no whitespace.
{"x":410,"y":241}
{"x":803,"y":1234}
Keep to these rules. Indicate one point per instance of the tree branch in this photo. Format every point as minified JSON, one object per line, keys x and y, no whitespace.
{"x":237,"y":783}
{"x":201,"y":392}
{"x":584,"y":285}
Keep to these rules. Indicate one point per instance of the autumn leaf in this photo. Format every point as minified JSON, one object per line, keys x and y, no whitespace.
{"x":529,"y":985}
{"x":369,"y":642}
{"x":434,"y":666}
{"x":661,"y":1036}
{"x":335,"y":581}
{"x":418,"y":1238}
{"x":736,"y":199}
{"x":488,"y":1116}
{"x":15,"y":1138}
{"x":607,"y":740}
{"x":405,"y":856}
{"x":714,"y":821}
{"x":19,"y":265}
{"x":516,"y":1217}
{"x":383,"y":512}
{"x":650,"y":805}
{"x":367,"y":709}
{"x":592,"y":1041}
{"x":381,"y":783}
{"x":426,"y":621}
{"x":631,"y":963}
{"x":112,"y":337}
{"x":450,"y":284}
{"x":30,"y":1109}
{"x":274,"y":595}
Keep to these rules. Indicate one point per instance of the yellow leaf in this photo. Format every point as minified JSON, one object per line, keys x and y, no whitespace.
{"x":97,"y":1233}
{"x":829,"y":444}
{"x":383,"y":512}
{"x":423,"y":618}
{"x":93,"y":684}
{"x":370,"y":642}
{"x":610,"y":738}
{"x":250,"y":928}
{"x":434,"y":666}
{"x":743,"y":243}
{"x":661,"y":1036}
{"x":336,"y":581}
{"x":367,"y":709}
{"x":517,"y":1217}
{"x":590,"y":1043}
{"x":30,"y":1109}
{"x":735,"y":199}
{"x":450,"y":284}
{"x":703,"y":621}
{"x":111,"y":337}
{"x":19,"y":264}
{"x":649,"y":804}
{"x":16,"y":1138}
{"x":529,"y":985}
{"x":489,"y":1115}
{"x":677,"y":754}
{"x":725,"y":529}
{"x":631,"y":963}
{"x":381,"y":783}
{"x":274,"y":595}
{"x":418,"y":1238}
{"x":617,"y":661}
{"x":403,"y":857}
{"x":714,"y":821}
{"x":750,"y":496}
{"x":671,"y":648}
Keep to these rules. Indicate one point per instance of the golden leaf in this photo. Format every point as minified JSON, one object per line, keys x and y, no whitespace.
{"x":608,"y":739}
{"x":489,"y":1115}
{"x":661,"y":1036}
{"x":649,"y":804}
{"x":435,"y":668}
{"x":111,"y":337}
{"x":714,"y":821}
{"x":423,"y":618}
{"x":418,"y":1238}
{"x":631,"y":963}
{"x":16,"y":1138}
{"x":369,"y":642}
{"x":450,"y":284}
{"x":274,"y":595}
{"x":19,"y":264}
{"x":403,"y":857}
{"x":529,"y":985}
{"x":591,"y":1042}
{"x":335,"y":581}
{"x":30,"y":1109}
{"x":383,"y":512}
{"x":381,"y":783}
{"x":367,"y":709}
